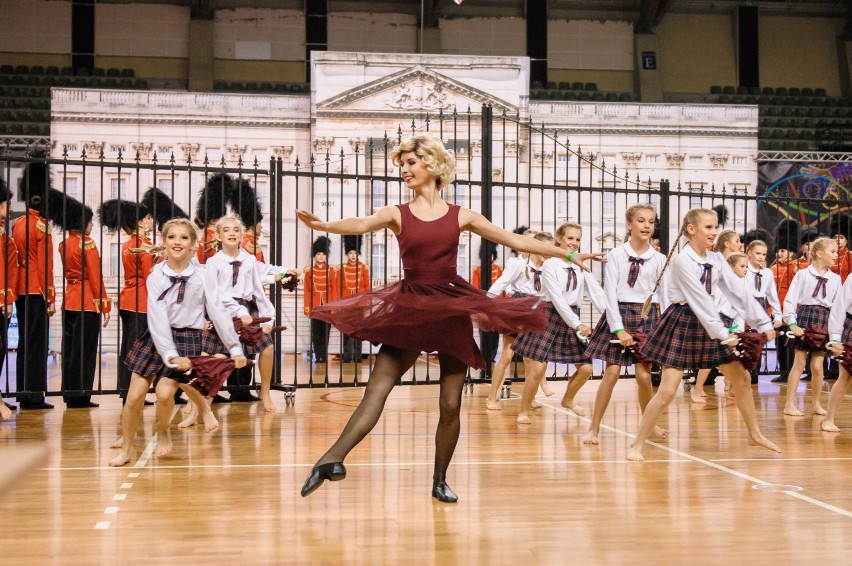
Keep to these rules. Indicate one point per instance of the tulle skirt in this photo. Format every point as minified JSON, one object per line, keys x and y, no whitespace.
{"x":432,"y":311}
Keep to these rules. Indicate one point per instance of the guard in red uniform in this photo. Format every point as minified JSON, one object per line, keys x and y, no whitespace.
{"x":841,"y":231}
{"x":85,"y":303}
{"x":36,"y":293}
{"x":783,"y":269}
{"x":211,"y":206}
{"x":137,"y":261}
{"x":320,"y":288}
{"x":8,"y":284}
{"x":488,"y":340}
{"x":809,"y":234}
{"x":353,"y":277}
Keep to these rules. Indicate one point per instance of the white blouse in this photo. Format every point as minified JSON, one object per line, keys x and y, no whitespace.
{"x":248,"y":286}
{"x":554,"y":279}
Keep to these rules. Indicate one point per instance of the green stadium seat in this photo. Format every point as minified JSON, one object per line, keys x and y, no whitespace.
{"x":598,"y":96}
{"x":611,"y":97}
{"x":128,"y":74}
{"x":578,"y":86}
{"x":564,"y":86}
{"x":550,"y":85}
{"x":754,"y":90}
{"x":113,"y":72}
{"x":537,"y":85}
{"x":584,"y":96}
{"x":36,"y":70}
{"x":768,"y":90}
{"x":807,"y":91}
{"x":7,"y":69}
{"x":781,"y":91}
{"x":591,"y":87}
{"x":794,"y":91}
{"x":52,"y":70}
{"x":728,"y":90}
{"x":742,"y":89}
{"x":67,"y":71}
{"x":819,"y":92}
{"x":625,"y":97}
{"x":716,"y":89}
{"x":22,"y":70}
{"x":98,"y":72}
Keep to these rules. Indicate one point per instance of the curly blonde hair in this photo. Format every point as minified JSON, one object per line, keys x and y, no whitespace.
{"x":439,"y":161}
{"x":175,"y":222}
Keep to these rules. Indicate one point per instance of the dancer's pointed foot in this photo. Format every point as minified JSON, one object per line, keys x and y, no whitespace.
{"x":268,"y":404}
{"x":634,"y":454}
{"x":818,"y":410}
{"x":164,"y":444}
{"x":125,"y":457}
{"x":492,"y":405}
{"x":591,"y":438}
{"x":442,"y":492}
{"x":333,"y":471}
{"x":573,"y":407}
{"x":792,"y":411}
{"x":698,"y":397}
{"x":828,"y":426}
{"x":760,"y":440}
{"x":660,"y":433}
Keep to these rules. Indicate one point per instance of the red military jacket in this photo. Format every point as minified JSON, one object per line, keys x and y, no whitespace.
{"x":8,"y":267}
{"x":843,"y":265}
{"x":353,"y":278}
{"x":31,"y":233}
{"x":84,"y":284}
{"x":252,"y":247}
{"x":320,"y":286}
{"x":803,"y":262}
{"x":208,"y":245}
{"x":783,"y":274}
{"x":137,"y":268}
{"x":476,"y":276}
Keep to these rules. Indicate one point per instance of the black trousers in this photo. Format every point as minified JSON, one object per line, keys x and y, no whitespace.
{"x":240,"y":383}
{"x":133,"y":325}
{"x":320,"y":331}
{"x":31,"y":362}
{"x":4,"y":341}
{"x":80,"y":332}
{"x":351,"y":349}
{"x":488,"y":342}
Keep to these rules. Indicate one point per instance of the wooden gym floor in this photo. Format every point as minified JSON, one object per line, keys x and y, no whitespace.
{"x":528,"y":494}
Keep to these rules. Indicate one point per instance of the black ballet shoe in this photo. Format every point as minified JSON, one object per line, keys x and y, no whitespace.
{"x":442,"y":492}
{"x":333,"y":471}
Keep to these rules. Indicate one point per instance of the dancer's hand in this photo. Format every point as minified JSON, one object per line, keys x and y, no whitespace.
{"x":239,"y":361}
{"x":311,"y":220}
{"x":835,"y":348}
{"x":584,"y":329}
{"x":625,"y":338}
{"x":51,"y":309}
{"x":181,"y":363}
{"x":246,"y":319}
{"x":797,"y":331}
{"x":266,"y":328}
{"x":770,"y":335}
{"x":731,"y":341}
{"x":106,"y":319}
{"x":579,"y":259}
{"x":777,"y":324}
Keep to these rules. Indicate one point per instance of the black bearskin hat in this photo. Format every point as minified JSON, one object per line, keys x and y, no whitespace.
{"x":520,"y":230}
{"x":243,"y":199}
{"x":321,"y":244}
{"x":117,"y":214}
{"x":757,"y":234}
{"x":67,"y":213}
{"x":212,"y":200}
{"x":840,"y":224}
{"x":787,"y":235}
{"x":656,"y":234}
{"x":5,"y":194}
{"x":351,"y":243}
{"x":35,"y":182}
{"x":721,"y":214}
{"x":809,"y":234}
{"x":161,"y":207}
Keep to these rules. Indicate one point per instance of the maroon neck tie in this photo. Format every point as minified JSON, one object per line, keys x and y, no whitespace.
{"x":707,"y":277}
{"x":572,"y":279}
{"x":536,"y":279}
{"x":181,"y":290}
{"x":235,"y":265}
{"x":758,"y":280}
{"x":633,"y":275}
{"x":820,"y":286}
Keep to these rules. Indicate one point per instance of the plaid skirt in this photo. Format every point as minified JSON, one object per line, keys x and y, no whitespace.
{"x":144,"y":359}
{"x":810,"y":316}
{"x":680,"y":341}
{"x":557,"y":343}
{"x":846,"y":336}
{"x":599,"y":347}
{"x":212,"y":344}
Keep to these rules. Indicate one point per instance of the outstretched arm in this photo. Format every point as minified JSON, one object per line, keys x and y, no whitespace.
{"x":386,"y":217}
{"x":478,"y":224}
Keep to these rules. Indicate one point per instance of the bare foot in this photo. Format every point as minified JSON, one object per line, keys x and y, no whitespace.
{"x":818,"y":410}
{"x":117,"y":443}
{"x":634,"y":454}
{"x":763,"y":441}
{"x":191,"y":417}
{"x":829,"y":426}
{"x":659,"y":432}
{"x":524,"y":419}
{"x":591,"y":438}
{"x":698,"y":397}
{"x":164,"y":444}
{"x":535,"y":404}
{"x":123,"y":458}
{"x":5,"y":412}
{"x":210,"y":421}
{"x":793,"y":411}
{"x":572,"y":406}
{"x":268,"y":404}
{"x":186,"y":410}
{"x":548,"y":392}
{"x":493,"y":405}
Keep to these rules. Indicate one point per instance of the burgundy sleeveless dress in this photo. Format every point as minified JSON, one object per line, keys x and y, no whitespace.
{"x":431,"y":309}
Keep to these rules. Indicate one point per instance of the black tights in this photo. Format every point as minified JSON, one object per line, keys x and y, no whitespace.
{"x":391,"y":363}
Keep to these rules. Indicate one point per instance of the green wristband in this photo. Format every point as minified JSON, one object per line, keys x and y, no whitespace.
{"x":617,"y":331}
{"x":792,"y":324}
{"x":570,"y":255}
{"x":734,"y":327}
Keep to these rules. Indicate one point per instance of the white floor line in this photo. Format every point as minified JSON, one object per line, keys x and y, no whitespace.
{"x":149,"y":449}
{"x":741,"y":475}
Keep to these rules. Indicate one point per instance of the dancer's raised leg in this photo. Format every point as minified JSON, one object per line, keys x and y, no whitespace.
{"x":666,"y":393}
{"x":498,"y":374}
{"x":580,"y":377}
{"x":741,"y":385}
{"x":532,"y":378}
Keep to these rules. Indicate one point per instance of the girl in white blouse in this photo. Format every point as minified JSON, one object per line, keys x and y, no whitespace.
{"x":178,"y":294}
{"x":839,"y":336}
{"x":807,"y":305}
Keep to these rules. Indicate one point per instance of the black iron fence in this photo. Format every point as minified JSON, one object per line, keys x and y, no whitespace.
{"x":513,"y":171}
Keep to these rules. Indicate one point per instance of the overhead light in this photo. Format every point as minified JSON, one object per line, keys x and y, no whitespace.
{"x":458,"y":2}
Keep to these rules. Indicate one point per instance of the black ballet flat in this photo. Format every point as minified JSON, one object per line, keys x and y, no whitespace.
{"x":442,"y":492}
{"x":333,"y":471}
